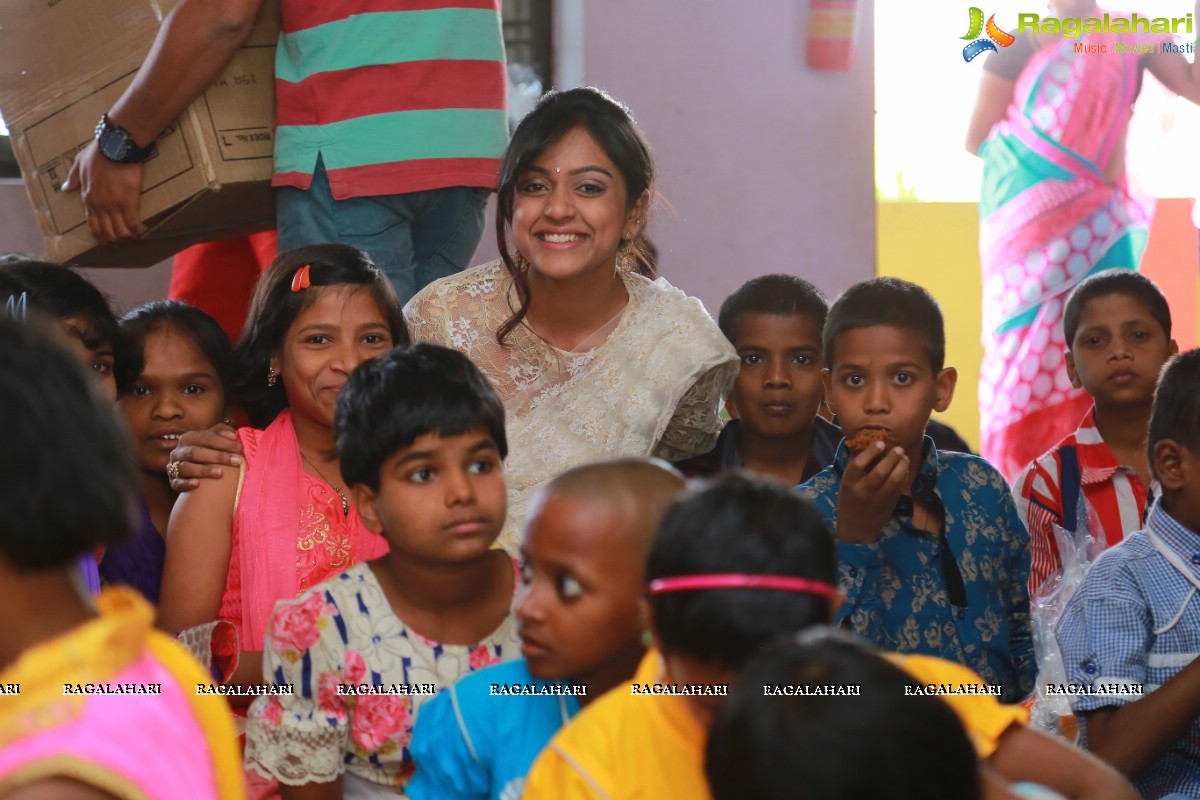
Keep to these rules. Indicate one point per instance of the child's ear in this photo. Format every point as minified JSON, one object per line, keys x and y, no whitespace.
{"x":945,"y":382}
{"x":1071,"y":373}
{"x":364,"y":501}
{"x":730,"y":408}
{"x":1172,"y":348}
{"x":826,"y":386}
{"x":1169,"y":465}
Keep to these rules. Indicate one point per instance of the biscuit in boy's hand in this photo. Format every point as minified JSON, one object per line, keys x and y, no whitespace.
{"x":867,"y":437}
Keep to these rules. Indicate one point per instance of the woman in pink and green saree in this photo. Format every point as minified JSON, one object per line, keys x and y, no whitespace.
{"x":1050,"y":124}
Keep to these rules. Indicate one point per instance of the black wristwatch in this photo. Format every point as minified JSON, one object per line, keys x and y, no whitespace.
{"x":117,"y":144}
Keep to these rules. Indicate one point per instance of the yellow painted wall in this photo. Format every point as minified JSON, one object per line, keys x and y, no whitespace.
{"x":937,"y":246}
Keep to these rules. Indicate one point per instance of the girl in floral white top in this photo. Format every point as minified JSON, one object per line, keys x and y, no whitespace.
{"x":591,"y":357}
{"x":420,"y":434}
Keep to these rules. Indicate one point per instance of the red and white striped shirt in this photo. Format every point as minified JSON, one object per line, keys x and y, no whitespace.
{"x":1113,"y":491}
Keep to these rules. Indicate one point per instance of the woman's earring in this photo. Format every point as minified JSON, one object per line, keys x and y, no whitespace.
{"x":521,"y":262}
{"x":272,"y":376}
{"x":626,"y":260}
{"x":647,"y":638}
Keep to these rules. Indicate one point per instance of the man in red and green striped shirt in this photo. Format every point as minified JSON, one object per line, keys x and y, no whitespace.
{"x":391,"y":122}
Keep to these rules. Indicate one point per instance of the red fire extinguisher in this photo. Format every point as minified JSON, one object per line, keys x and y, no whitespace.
{"x":832,"y":31}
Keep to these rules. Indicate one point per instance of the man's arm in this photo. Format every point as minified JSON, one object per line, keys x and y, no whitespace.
{"x":197,"y":40}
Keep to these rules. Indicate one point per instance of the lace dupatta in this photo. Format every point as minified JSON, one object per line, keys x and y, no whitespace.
{"x":650,"y":381}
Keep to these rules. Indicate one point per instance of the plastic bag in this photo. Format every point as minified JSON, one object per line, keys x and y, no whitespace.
{"x":1077,"y":551}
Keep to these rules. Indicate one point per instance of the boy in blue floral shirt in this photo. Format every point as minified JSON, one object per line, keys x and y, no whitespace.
{"x":932,"y":555}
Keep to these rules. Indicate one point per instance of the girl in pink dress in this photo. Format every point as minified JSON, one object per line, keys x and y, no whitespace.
{"x":283,"y":521}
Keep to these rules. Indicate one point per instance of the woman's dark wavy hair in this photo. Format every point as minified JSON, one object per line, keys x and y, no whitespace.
{"x":198,"y":326}
{"x":556,"y":114}
{"x":68,"y":485}
{"x":275,"y":307}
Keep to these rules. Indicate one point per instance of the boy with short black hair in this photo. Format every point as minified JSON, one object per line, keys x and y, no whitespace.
{"x":932,"y":556}
{"x":421,"y":439}
{"x":1131,"y":626}
{"x":774,"y":322}
{"x":1117,"y":326}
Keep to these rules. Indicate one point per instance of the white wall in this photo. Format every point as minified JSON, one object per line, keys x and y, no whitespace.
{"x":768,"y":165}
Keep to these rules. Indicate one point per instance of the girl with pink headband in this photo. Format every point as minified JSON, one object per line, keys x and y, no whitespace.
{"x":735,"y":564}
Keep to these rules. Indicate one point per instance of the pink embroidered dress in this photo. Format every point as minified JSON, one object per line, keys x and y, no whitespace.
{"x":285,"y":517}
{"x":1049,"y":217}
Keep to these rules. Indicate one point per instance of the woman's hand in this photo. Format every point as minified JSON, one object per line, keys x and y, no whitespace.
{"x":991,"y":104}
{"x":201,"y":454}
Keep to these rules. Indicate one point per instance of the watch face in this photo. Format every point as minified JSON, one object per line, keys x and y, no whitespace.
{"x":114,"y":146}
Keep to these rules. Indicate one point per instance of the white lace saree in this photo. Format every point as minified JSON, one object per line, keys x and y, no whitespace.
{"x":649,"y":382}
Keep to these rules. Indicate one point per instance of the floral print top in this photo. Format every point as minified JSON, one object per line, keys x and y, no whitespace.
{"x":900,"y":590}
{"x":357,"y":675}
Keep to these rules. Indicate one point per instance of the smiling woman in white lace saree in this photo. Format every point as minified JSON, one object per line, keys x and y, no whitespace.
{"x":591,"y":357}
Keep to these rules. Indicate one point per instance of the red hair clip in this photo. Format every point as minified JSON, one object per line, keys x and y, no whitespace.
{"x":301,"y":279}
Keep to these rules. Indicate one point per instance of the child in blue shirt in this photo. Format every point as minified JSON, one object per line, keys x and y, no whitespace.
{"x":587,"y":537}
{"x":1129,"y":634}
{"x":932,"y":555}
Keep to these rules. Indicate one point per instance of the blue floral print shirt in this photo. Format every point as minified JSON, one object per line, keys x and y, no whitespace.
{"x":905,"y":593}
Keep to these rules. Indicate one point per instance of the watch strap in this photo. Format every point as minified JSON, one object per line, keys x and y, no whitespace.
{"x":133,"y":152}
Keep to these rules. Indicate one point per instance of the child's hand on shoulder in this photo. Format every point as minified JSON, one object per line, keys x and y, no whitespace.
{"x":871,"y":484}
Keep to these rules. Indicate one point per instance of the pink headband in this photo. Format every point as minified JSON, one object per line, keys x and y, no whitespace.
{"x":684,"y":583}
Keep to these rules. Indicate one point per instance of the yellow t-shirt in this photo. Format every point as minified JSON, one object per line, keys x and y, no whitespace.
{"x":984,"y":717}
{"x":624,"y":745}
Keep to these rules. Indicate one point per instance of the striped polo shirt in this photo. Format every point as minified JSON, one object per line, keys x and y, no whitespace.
{"x":395,"y":96}
{"x":1115,"y":495}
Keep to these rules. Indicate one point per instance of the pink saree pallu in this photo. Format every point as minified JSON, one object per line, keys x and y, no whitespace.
{"x":1048,"y":219}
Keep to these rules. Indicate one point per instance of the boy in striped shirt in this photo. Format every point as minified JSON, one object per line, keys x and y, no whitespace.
{"x":1117,"y":327}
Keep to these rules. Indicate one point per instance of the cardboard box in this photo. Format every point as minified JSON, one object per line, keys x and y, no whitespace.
{"x":63,"y":63}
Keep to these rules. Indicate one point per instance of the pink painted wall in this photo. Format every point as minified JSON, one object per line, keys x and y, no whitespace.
{"x":768,"y":165}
